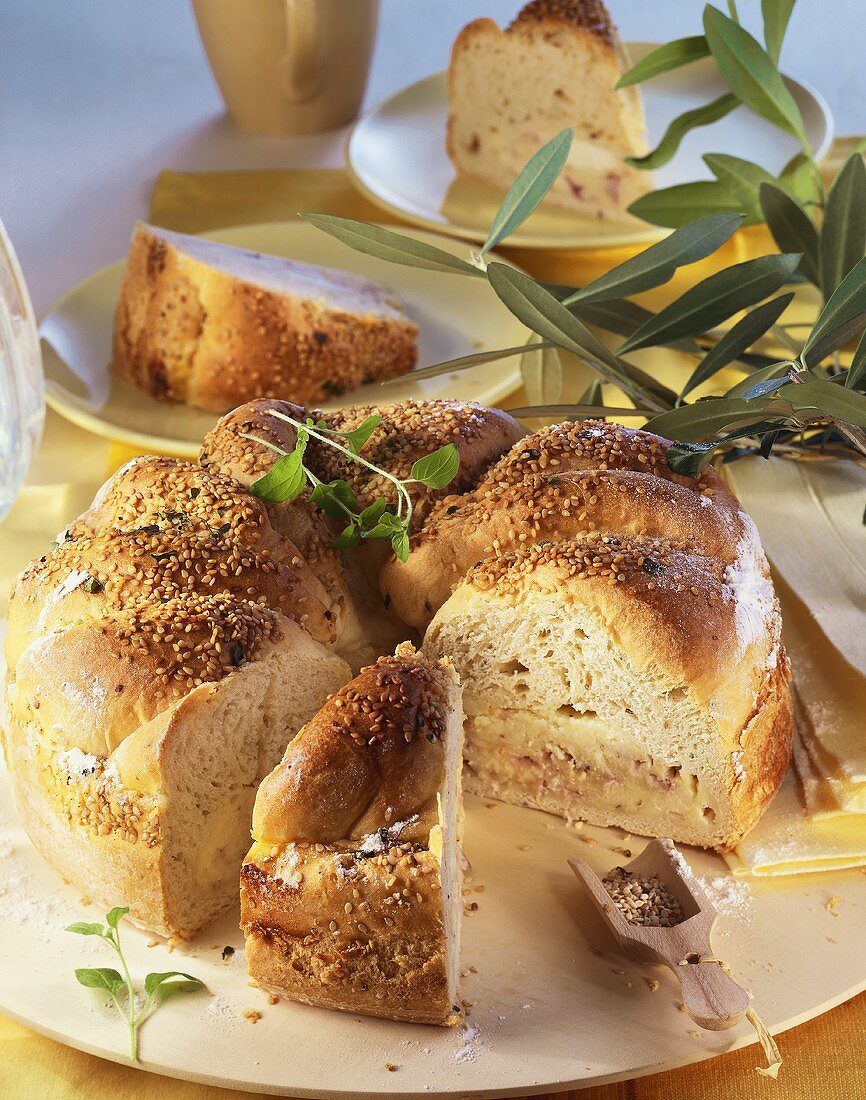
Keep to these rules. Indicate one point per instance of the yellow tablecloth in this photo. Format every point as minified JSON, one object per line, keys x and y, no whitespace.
{"x":824,"y":1059}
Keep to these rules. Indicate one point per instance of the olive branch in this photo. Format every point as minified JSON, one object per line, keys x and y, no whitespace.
{"x":803,"y":404}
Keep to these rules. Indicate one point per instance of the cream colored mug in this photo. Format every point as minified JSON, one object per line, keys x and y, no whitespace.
{"x":289,"y":66}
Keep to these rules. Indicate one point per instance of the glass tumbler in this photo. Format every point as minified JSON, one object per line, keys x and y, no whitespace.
{"x":22,"y":390}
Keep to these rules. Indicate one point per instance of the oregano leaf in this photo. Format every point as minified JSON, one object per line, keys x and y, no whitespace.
{"x":357,"y":438}
{"x":115,"y":916}
{"x":171,"y":981}
{"x":284,"y":481}
{"x":102,"y":977}
{"x":349,"y":536}
{"x":400,"y":544}
{"x":335,"y":498}
{"x":438,"y":469}
{"x":80,"y":928}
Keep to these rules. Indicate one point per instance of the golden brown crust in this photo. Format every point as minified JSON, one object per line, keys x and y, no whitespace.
{"x":564,"y":482}
{"x":351,"y":931}
{"x":373,"y":755}
{"x":586,"y":15}
{"x":189,"y":331}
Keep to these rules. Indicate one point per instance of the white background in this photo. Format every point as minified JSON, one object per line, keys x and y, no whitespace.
{"x":96,"y":96}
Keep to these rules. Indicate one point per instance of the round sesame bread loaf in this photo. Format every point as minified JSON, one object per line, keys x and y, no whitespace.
{"x":210,"y":325}
{"x":350,"y":895}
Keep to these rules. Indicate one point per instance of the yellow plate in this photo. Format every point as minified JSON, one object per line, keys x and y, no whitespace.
{"x":457,"y":316}
{"x":396,"y":157}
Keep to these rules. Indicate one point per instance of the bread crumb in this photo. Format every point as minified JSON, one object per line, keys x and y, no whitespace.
{"x":695,"y":1034}
{"x":586,"y":839}
{"x":525,"y":847}
{"x":681,"y":1007}
{"x":273,"y":999}
{"x":390,"y":1067}
{"x":652,"y":984}
{"x":832,"y":905}
{"x":252,"y":1015}
{"x":153,"y":943}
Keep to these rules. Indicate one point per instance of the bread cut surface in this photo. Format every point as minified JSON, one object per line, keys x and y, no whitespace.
{"x":510,"y":91}
{"x":350,"y":894}
{"x":211,"y":325}
{"x":617,"y":633}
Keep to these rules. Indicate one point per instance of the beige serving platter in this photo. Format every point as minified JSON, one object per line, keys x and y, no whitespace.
{"x":456,"y":316}
{"x":553,"y":1004}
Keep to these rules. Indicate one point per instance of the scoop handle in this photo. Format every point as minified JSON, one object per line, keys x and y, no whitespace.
{"x":711,"y":996}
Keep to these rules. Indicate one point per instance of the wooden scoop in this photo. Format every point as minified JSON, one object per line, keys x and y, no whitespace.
{"x":711,"y":996}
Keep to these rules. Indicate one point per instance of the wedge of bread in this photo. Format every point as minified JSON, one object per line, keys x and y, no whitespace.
{"x":510,"y":91}
{"x":209,"y":325}
{"x":351,"y":892}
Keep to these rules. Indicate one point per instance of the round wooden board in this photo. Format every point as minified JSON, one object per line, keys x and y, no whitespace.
{"x":553,"y":1006}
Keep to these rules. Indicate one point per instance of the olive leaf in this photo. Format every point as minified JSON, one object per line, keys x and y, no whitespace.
{"x":791,"y":227}
{"x":799,"y":178}
{"x":847,"y":302}
{"x":856,"y":376}
{"x":656,"y":265}
{"x":465,"y":361}
{"x":541,"y":312}
{"x":592,"y":395}
{"x":751,"y":74}
{"x":769,"y":373}
{"x":714,"y":299}
{"x":678,"y":205}
{"x":703,"y":418}
{"x":387,"y":245}
{"x":776,"y":14}
{"x":541,"y":370}
{"x":672,"y":55}
{"x":740,"y":178}
{"x":827,"y":399}
{"x":574,"y":412}
{"x":532,"y":184}
{"x":834,"y":339}
{"x":704,"y":115}
{"x":737,"y":339}
{"x":690,"y":458}
{"x":843,"y":232}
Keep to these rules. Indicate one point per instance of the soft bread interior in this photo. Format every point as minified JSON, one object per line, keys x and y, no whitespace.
{"x":512,"y":91}
{"x":559,"y":716}
{"x":180,"y":786}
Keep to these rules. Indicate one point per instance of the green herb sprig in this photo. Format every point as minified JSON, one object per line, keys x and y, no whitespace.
{"x":290,"y":476}
{"x":120,"y":987}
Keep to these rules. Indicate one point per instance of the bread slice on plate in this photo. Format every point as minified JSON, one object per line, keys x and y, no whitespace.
{"x":510,"y":91}
{"x":210,"y":325}
{"x":351,"y":892}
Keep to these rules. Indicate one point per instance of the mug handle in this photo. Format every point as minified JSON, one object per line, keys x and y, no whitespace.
{"x":303,"y":60}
